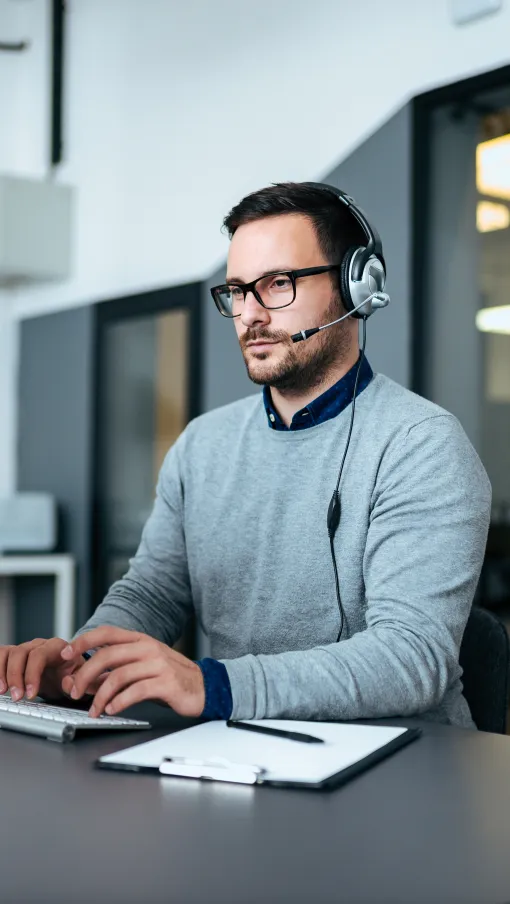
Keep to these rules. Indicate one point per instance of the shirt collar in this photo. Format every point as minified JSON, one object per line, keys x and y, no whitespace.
{"x":329,"y":404}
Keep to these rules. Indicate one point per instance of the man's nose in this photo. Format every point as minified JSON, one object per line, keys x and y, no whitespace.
{"x":253,"y":311}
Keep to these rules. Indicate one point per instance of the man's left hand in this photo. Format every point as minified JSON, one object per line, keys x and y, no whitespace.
{"x":138,"y":668}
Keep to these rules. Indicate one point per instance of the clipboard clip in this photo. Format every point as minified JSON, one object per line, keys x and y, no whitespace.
{"x":215,"y":769}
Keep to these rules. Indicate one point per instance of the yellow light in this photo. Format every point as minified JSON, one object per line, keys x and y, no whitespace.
{"x":494,"y":320}
{"x":493,"y":167}
{"x":491,"y":216}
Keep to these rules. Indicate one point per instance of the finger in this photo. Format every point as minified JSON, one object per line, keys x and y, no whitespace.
{"x":4,"y":656}
{"x":118,"y":680}
{"x":46,"y":653}
{"x":105,"y":658}
{"x":147,"y":689}
{"x":16,"y":670}
{"x":93,"y":688}
{"x":68,"y":684}
{"x":100,"y":637}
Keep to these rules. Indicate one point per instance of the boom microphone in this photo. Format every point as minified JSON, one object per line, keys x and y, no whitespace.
{"x":379,"y":300}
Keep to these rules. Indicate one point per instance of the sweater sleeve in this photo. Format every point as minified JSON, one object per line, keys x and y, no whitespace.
{"x":424,"y":550}
{"x":154,"y":597}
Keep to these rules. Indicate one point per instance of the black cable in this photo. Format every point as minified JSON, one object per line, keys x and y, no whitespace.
{"x":334,"y":505}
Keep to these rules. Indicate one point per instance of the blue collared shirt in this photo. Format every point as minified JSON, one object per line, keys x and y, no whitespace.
{"x":325,"y":406}
{"x":218,"y":693}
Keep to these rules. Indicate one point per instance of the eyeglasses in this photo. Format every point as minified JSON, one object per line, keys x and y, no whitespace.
{"x":273,"y":290}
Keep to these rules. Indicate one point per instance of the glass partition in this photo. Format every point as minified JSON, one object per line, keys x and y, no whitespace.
{"x":463,"y":321}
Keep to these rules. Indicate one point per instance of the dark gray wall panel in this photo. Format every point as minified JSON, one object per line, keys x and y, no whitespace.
{"x":378,"y":175}
{"x":55,"y":447}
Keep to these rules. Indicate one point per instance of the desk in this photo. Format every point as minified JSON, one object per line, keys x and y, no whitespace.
{"x":62,"y":568}
{"x":430,"y":825}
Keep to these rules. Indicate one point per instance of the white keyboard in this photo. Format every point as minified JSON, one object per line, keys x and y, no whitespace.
{"x":56,"y":723}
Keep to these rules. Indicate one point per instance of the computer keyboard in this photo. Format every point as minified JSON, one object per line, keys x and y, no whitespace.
{"x":54,"y":722}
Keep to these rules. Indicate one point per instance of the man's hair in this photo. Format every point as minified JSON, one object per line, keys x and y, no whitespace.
{"x":335,"y":227}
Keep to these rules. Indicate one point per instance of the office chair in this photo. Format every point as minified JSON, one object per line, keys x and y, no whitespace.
{"x":485,"y":660}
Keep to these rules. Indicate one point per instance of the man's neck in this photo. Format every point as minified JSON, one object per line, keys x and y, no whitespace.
{"x":289,"y":401}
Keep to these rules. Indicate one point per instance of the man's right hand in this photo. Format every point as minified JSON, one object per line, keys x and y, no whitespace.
{"x":36,"y":668}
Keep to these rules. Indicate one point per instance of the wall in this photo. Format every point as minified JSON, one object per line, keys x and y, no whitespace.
{"x":378,"y":174}
{"x":56,"y":449}
{"x":8,"y":398}
{"x":173,"y":111}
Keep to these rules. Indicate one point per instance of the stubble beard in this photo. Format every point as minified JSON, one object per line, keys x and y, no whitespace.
{"x":302,"y":367}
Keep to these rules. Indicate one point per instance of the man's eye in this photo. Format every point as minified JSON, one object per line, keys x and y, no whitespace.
{"x":281,"y":282}
{"x":236,"y":292}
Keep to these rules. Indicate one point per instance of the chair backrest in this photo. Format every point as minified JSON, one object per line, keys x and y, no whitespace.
{"x":485,"y":660}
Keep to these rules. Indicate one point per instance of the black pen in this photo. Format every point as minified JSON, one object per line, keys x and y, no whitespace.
{"x":278,"y":732}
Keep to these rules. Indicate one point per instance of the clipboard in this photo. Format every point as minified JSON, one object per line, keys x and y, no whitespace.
{"x":212,"y":752}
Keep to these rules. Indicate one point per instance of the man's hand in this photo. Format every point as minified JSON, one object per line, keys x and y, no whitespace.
{"x":139,"y":668}
{"x":36,"y":668}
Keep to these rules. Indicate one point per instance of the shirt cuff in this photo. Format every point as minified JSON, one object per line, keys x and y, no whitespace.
{"x":218,"y":693}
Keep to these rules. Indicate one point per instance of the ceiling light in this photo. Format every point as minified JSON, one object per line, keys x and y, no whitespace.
{"x":494,"y":320}
{"x":493,"y":167}
{"x":491,"y":216}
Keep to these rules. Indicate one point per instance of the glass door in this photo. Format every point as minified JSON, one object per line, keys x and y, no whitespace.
{"x":145,"y":407}
{"x":148,"y":384}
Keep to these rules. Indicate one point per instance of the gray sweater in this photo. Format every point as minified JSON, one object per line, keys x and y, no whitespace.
{"x":238,"y":534}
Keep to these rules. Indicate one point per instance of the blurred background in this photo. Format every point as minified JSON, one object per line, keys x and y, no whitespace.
{"x":127,"y":130}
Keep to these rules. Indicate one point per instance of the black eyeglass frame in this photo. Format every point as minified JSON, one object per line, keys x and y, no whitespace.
{"x":251,"y":286}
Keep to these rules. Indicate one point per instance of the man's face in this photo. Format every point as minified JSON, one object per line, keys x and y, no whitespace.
{"x":287,"y":242}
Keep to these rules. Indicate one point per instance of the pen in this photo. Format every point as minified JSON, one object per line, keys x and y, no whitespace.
{"x":278,"y":732}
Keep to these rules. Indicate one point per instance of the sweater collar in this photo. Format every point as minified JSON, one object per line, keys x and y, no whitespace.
{"x":329,"y":404}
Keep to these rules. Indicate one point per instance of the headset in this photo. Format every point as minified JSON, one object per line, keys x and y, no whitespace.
{"x":362,"y":277}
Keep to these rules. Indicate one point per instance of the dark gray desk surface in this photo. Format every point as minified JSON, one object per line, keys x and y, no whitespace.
{"x":431,"y":824}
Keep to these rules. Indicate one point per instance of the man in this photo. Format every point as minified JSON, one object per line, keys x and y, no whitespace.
{"x":238,"y":532}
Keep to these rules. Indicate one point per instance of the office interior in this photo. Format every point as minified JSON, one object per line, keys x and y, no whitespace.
{"x":127,"y":130}
{"x":133,"y":107}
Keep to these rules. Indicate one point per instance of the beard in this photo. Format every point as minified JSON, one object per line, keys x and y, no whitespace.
{"x":301,"y":367}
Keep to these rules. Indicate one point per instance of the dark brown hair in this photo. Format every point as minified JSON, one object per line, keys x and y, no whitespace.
{"x":335,"y":228}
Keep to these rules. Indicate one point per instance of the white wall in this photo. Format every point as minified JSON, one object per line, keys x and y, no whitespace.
{"x":175,"y":110}
{"x":8,"y":362}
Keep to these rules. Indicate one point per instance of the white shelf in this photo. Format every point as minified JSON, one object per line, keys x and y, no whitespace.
{"x":62,"y":568}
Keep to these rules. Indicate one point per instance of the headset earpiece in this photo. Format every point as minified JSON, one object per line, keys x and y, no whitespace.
{"x":355,"y":291}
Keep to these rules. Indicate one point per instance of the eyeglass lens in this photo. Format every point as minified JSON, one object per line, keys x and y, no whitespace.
{"x":275,"y":291}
